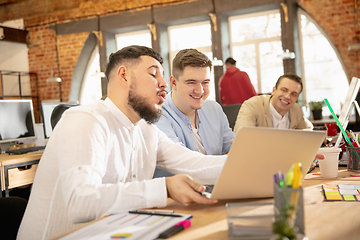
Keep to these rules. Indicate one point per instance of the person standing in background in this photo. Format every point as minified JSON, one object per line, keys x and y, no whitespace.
{"x":234,"y":85}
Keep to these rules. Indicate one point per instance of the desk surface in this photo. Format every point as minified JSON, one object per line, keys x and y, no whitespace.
{"x":327,"y":119}
{"x":17,"y":178}
{"x":7,"y":159}
{"x":323,"y":220}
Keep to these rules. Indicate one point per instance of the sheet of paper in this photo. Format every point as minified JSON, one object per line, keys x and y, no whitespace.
{"x":348,"y":191}
{"x":128,"y":226}
{"x":347,"y":186}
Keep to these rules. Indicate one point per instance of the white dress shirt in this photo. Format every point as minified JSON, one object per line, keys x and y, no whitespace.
{"x":98,"y":163}
{"x":279,"y":121}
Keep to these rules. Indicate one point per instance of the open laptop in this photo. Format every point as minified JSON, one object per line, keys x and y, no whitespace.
{"x":256,"y":155}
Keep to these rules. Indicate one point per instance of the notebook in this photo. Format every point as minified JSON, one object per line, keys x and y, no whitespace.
{"x":256,"y":155}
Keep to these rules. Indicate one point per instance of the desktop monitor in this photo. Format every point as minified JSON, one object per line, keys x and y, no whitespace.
{"x":17,"y":121}
{"x":349,"y":105}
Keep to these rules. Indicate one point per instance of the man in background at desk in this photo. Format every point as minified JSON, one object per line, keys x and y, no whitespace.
{"x":278,"y":110}
{"x":101,"y":158}
{"x":188,"y":117}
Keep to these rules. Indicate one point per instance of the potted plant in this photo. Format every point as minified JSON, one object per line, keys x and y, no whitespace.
{"x":316,"y":109}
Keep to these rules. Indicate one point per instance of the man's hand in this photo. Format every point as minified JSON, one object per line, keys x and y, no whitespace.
{"x":319,"y":156}
{"x":183,"y":189}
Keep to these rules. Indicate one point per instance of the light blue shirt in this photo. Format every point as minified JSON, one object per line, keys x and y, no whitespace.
{"x":212,"y":123}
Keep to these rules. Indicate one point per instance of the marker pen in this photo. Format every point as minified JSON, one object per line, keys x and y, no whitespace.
{"x":175,"y":229}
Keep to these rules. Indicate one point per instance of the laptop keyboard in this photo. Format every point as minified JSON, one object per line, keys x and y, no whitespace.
{"x":25,"y":150}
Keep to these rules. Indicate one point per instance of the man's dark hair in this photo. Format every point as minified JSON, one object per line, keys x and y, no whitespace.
{"x":291,"y":76}
{"x":231,"y":61}
{"x":132,"y":53}
{"x":189,"y":57}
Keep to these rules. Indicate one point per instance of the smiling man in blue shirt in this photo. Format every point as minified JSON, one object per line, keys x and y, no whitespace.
{"x":187,"y":117}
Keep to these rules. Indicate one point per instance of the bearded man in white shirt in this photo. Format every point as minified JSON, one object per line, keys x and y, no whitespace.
{"x":101,"y":158}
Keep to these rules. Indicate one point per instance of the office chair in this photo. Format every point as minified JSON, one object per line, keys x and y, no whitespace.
{"x":12,"y":210}
{"x":231,"y":111}
{"x":58,"y":111}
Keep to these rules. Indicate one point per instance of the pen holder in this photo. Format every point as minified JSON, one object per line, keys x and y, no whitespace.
{"x":354,"y":159}
{"x":289,"y":213}
{"x":250,"y":220}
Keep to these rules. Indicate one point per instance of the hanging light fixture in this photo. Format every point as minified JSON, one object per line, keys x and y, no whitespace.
{"x":217,"y":62}
{"x":52,"y":77}
{"x":98,"y":74}
{"x":287,"y":55}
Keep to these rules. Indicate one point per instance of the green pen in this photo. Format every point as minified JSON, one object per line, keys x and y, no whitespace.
{"x":338,"y":122}
{"x":341,"y":128}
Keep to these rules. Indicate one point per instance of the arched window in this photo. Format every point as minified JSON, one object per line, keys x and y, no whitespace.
{"x":91,"y":84}
{"x":322,"y":71}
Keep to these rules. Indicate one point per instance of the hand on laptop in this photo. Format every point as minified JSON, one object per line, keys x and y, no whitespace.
{"x":183,"y":189}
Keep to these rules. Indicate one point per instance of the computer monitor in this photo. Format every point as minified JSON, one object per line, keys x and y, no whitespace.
{"x":17,"y":121}
{"x":348,"y":106}
{"x":46,"y":111}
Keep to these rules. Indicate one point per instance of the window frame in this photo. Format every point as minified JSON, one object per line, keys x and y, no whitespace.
{"x":172,"y":53}
{"x":257,"y":42}
{"x":131,"y":33}
{"x":302,"y":63}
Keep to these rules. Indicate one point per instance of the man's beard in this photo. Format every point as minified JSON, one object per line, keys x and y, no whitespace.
{"x":142,"y":107}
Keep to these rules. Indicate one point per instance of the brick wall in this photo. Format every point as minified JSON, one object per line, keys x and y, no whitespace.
{"x":38,"y":15}
{"x":336,"y":17}
{"x":43,"y":61}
